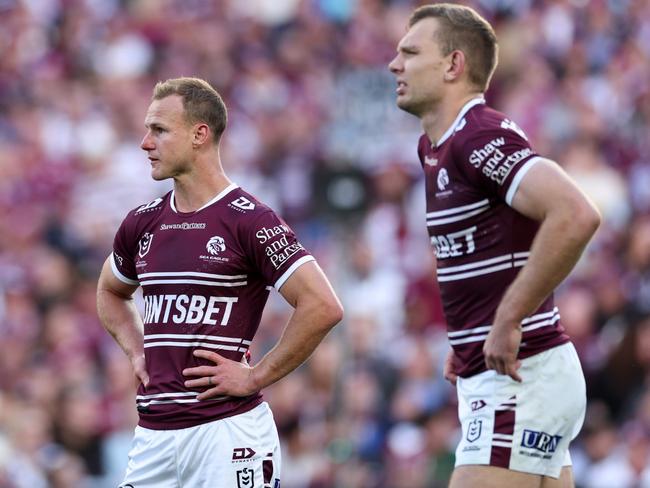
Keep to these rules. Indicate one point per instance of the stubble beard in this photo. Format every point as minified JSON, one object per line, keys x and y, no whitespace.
{"x":411,"y":106}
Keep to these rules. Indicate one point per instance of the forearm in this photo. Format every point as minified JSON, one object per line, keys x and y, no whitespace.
{"x":121,"y":319}
{"x":555,"y":251}
{"x":305,"y":330}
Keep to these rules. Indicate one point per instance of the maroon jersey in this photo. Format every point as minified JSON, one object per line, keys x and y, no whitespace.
{"x":480,"y":242}
{"x":205,"y":277}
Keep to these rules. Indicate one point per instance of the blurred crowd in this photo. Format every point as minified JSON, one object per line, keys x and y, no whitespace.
{"x":314,"y":132}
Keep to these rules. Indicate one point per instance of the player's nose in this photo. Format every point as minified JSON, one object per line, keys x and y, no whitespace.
{"x":147,"y":142}
{"x":395,"y":66}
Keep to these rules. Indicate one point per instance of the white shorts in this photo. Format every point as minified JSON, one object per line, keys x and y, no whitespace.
{"x":242,"y":451}
{"x":523,"y":426}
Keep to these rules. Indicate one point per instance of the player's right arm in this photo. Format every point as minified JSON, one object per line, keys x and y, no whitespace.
{"x":120,"y":318}
{"x":568,"y":219}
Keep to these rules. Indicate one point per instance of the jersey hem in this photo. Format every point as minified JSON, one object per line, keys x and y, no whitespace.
{"x":522,"y":355}
{"x":186,"y":424}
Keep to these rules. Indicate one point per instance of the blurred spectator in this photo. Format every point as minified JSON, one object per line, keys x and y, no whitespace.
{"x":314,"y":132}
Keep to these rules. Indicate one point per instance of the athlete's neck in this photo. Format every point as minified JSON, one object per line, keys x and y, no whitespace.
{"x":193,"y":190}
{"x":436,"y":122}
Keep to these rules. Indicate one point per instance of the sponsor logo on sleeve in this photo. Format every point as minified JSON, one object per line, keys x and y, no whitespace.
{"x":474,"y":430}
{"x":119,"y":259}
{"x":149,"y":206}
{"x":491,"y":149}
{"x":245,"y":478}
{"x":145,"y":244}
{"x":242,"y":204}
{"x":496,"y":165}
{"x":183,"y":226}
{"x":278,"y":249}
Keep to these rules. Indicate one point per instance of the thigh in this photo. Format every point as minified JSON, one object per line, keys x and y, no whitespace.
{"x":492,"y":477}
{"x":242,"y":451}
{"x":152,"y":460}
{"x":552,"y":413}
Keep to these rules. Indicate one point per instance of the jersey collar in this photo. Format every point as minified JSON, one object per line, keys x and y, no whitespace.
{"x":459,"y":118}
{"x":221,"y":194}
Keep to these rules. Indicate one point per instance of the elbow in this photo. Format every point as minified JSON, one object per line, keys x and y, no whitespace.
{"x":337,"y":313}
{"x":331,"y":312}
{"x":587,"y":219}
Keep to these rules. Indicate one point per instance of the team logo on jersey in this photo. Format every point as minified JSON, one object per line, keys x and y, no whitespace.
{"x":540,"y":441}
{"x":430,"y":161}
{"x":145,"y":244}
{"x":215,"y":245}
{"x":474,"y":430}
{"x":243,"y":203}
{"x":149,"y":205}
{"x":245,"y":478}
{"x":443,"y":179}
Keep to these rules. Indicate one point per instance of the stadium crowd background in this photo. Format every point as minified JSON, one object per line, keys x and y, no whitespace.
{"x":315,"y":133}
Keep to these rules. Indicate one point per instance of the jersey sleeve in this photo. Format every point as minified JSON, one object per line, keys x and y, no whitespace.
{"x":496,"y":159}
{"x":273,"y":248}
{"x":123,"y":255}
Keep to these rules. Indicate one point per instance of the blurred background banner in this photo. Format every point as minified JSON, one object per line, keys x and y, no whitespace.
{"x":315,"y":133}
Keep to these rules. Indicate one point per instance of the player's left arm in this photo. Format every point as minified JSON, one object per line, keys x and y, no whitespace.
{"x":316,"y":310}
{"x":568,"y":221}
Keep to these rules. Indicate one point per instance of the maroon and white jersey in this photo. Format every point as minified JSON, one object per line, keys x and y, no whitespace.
{"x":205,"y":277}
{"x":480,"y":242}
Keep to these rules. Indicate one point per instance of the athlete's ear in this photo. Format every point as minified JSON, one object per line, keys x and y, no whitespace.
{"x":200,"y":135}
{"x":455,"y":66}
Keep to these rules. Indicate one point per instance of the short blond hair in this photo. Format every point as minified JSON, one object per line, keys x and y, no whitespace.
{"x":201,"y":102}
{"x":464,"y":29}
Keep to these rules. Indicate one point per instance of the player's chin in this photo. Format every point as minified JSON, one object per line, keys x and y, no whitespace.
{"x":406,"y":105}
{"x":158,"y":175}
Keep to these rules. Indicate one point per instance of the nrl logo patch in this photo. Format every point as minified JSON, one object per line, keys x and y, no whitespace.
{"x":145,"y":244}
{"x":245,"y":478}
{"x":474,"y":430}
